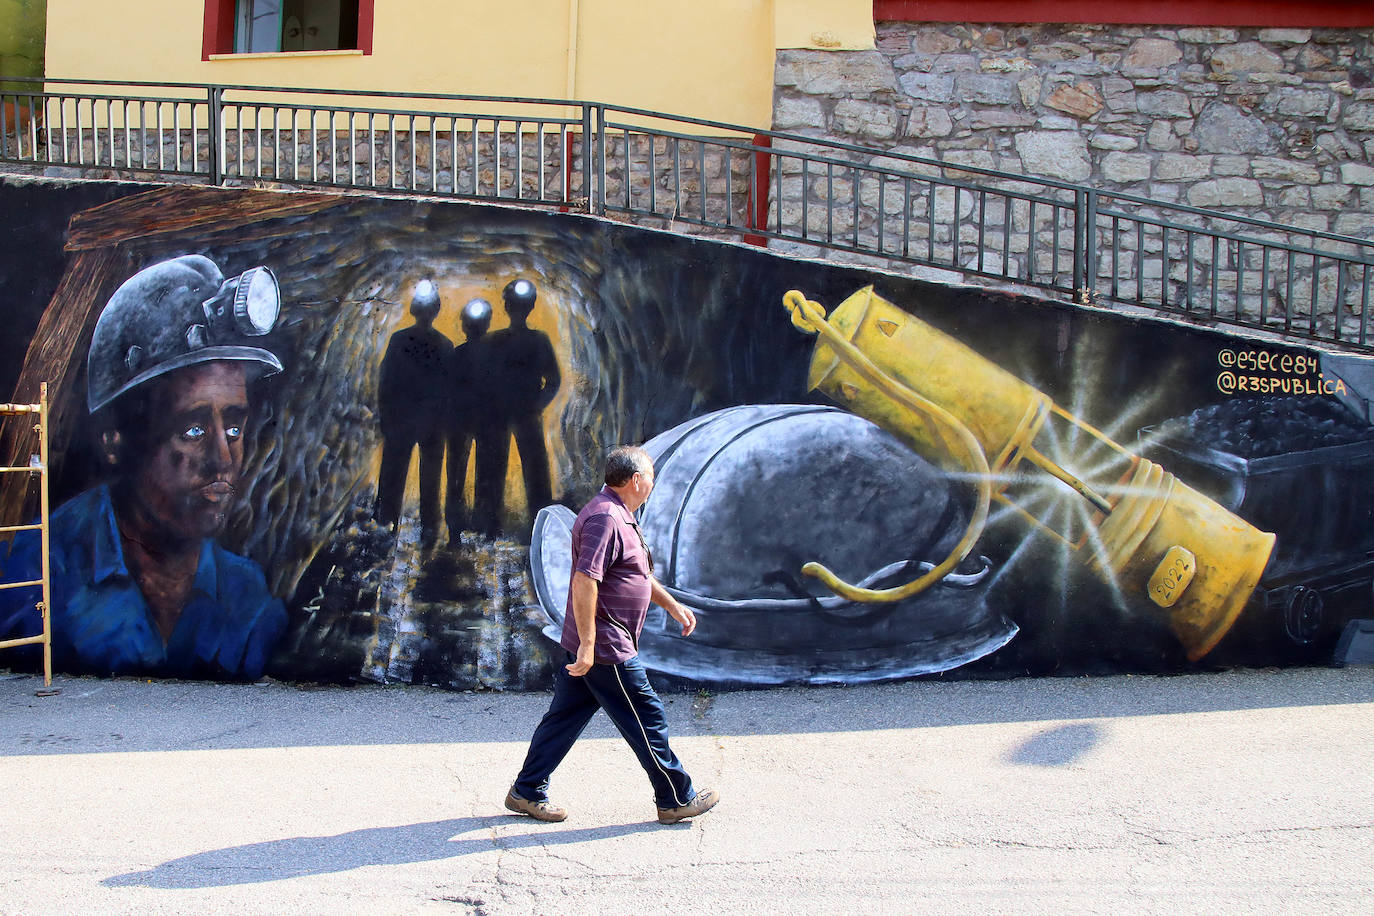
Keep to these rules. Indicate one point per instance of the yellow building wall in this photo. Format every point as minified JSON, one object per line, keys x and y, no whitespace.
{"x":831,"y":25}
{"x":709,"y":59}
{"x":706,"y":58}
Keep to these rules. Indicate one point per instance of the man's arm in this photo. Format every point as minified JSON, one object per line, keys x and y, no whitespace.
{"x":675,"y":609}
{"x":388,"y":386}
{"x":584,"y":591}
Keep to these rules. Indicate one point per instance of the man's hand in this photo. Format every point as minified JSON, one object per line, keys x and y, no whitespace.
{"x":675,"y":610}
{"x":683,"y":616}
{"x":586,"y":657}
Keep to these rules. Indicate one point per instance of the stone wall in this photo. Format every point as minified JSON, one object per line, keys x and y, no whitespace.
{"x":1276,"y":124}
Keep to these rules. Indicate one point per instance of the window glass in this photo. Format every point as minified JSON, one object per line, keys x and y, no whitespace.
{"x":295,"y":25}
{"x":257,"y":26}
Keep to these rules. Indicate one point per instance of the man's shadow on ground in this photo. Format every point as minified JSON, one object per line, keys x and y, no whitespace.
{"x":277,"y":860}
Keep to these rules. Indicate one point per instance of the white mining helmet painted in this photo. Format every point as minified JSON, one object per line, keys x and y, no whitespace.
{"x":476,"y":314}
{"x":179,"y":313}
{"x":426,"y":297}
{"x":521,"y":293}
{"x":741,"y":497}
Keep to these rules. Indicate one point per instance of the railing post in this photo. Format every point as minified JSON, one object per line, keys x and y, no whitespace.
{"x":5,"y":127}
{"x":1090,"y":249}
{"x":1085,"y":244}
{"x":214,"y":96}
{"x":587,"y":147}
{"x":600,"y":202}
{"x":756,"y":214}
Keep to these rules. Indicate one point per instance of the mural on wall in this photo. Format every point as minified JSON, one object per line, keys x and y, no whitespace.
{"x":141,"y":582}
{"x":282,"y":442}
{"x":435,"y":396}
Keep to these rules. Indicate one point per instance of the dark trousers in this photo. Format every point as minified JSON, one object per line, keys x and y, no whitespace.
{"x":622,"y":690}
{"x":489,"y":488}
{"x":534,"y":461}
{"x":493,"y":456}
{"x":391,"y":484}
{"x":455,"y":506}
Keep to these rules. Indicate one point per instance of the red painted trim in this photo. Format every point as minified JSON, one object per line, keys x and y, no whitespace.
{"x":567,"y":176}
{"x":219,"y":28}
{"x":1260,"y":13}
{"x":366,"y":16}
{"x":756,"y":216}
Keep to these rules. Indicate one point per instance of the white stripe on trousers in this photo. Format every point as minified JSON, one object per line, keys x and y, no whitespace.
{"x":648,"y":747}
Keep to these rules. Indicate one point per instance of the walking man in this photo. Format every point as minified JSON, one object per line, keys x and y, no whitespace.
{"x":608,"y":600}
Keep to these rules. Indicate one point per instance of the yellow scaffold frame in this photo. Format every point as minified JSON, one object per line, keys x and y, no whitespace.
{"x":44,"y":606}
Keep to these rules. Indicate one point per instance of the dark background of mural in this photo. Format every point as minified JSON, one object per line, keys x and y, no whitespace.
{"x":652,"y":329}
{"x":32,"y":234}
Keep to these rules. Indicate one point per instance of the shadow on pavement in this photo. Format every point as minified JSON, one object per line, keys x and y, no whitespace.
{"x":1057,"y":747}
{"x":296,"y":857}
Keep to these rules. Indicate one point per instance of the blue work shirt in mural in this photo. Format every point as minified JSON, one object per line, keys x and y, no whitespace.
{"x":101,"y":621}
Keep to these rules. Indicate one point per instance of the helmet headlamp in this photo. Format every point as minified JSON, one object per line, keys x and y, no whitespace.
{"x":252,"y":301}
{"x":477,"y":311}
{"x":257,"y":301}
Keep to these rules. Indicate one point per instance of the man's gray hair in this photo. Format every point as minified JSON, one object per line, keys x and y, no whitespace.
{"x":624,"y":461}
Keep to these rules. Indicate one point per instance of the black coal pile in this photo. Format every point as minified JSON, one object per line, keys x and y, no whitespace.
{"x":1264,"y":427}
{"x":334,"y":613}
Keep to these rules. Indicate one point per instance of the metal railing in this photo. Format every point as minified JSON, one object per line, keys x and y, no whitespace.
{"x":767,"y":187}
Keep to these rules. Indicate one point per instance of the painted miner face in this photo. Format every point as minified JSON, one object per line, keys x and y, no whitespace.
{"x":186,"y":476}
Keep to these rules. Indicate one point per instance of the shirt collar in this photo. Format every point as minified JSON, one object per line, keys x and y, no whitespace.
{"x":207,"y":571}
{"x":625,"y":514}
{"x":107,"y":552}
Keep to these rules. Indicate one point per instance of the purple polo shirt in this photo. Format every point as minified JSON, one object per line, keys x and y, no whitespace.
{"x":607,"y":547}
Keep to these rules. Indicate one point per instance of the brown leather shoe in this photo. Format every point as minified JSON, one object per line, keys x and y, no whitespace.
{"x":539,"y":810}
{"x":705,"y":800}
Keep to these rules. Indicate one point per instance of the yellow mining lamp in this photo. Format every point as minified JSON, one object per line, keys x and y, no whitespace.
{"x":1163,"y":544}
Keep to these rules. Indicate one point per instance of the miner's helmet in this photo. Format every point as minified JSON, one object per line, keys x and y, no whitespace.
{"x":476,"y":316}
{"x":426,"y":298}
{"x":180,"y":313}
{"x":745,"y":495}
{"x":520,"y":295}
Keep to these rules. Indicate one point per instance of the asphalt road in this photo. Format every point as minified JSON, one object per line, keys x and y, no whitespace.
{"x":1244,"y":791}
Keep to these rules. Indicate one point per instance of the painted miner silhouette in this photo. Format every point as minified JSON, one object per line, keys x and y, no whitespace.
{"x":411,"y":404}
{"x":521,"y":380}
{"x":470,"y":415}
